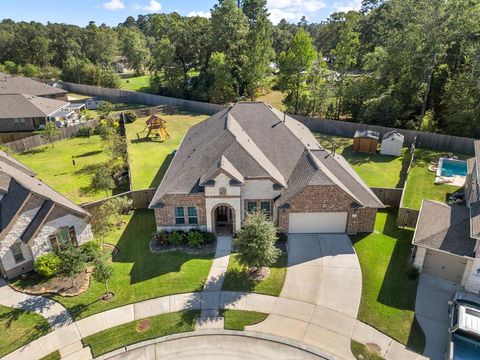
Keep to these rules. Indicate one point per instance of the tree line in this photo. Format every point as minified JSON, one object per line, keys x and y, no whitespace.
{"x":405,"y":63}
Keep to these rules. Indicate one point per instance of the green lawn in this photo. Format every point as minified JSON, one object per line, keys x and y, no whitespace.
{"x":52,"y":356}
{"x":238,"y":319}
{"x":136,"y":83}
{"x":362,"y":352}
{"x":420,"y":184}
{"x":273,"y":98}
{"x":149,"y":160}
{"x":140,"y":330}
{"x":19,"y":327}
{"x":54,"y":166}
{"x":238,"y":279}
{"x":375,"y":169}
{"x":388,"y":296}
{"x":138,"y":273}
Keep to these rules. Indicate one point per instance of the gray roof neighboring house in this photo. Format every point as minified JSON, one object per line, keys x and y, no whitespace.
{"x":12,"y":84}
{"x":23,"y":106}
{"x":444,"y":227}
{"x":256,"y":141}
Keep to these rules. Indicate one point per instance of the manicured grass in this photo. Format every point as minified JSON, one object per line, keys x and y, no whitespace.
{"x":52,"y":356}
{"x":375,"y":169}
{"x":149,"y":159}
{"x":136,"y":83}
{"x":273,"y":98}
{"x":361,"y":352}
{"x":78,"y":96}
{"x":140,"y":330}
{"x":19,"y":327}
{"x":388,"y":295}
{"x":138,"y":273}
{"x":238,"y":319}
{"x":420,"y":184}
{"x":54,"y":166}
{"x":238,"y":279}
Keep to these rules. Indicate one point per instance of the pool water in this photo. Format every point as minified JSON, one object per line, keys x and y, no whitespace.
{"x":452,"y":168}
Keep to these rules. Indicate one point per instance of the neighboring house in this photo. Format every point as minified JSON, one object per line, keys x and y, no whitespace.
{"x":447,"y":237}
{"x":392,"y":143}
{"x":34,"y":218}
{"x":19,"y":112}
{"x":94,"y":103}
{"x":253,"y":157}
{"x":12,"y":84}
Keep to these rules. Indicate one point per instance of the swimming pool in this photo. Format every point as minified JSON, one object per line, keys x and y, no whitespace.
{"x":451,"y":167}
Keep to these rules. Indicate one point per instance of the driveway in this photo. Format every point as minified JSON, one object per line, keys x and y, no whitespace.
{"x":431,"y":310}
{"x":324,"y":272}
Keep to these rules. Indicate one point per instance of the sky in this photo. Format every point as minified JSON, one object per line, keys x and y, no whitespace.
{"x":112,"y":12}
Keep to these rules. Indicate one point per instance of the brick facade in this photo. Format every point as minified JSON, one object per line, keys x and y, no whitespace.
{"x":166,"y":216}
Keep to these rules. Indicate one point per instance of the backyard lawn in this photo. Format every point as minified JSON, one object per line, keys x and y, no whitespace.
{"x":149,"y":160}
{"x":238,"y":279}
{"x":388,"y":295}
{"x":19,"y":327}
{"x":375,"y":169}
{"x":273,"y":98}
{"x":138,"y":273}
{"x":136,"y":83}
{"x":238,"y":319}
{"x":54,"y":166}
{"x":140,"y":330}
{"x":420,"y":184}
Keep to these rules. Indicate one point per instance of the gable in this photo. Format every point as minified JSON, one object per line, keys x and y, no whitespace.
{"x":321,"y":198}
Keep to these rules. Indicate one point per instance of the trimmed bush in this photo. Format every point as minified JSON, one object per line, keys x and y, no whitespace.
{"x":195,"y":239}
{"x":210,"y":237}
{"x":90,"y":250}
{"x":161,"y":237}
{"x":85,"y":132}
{"x":176,"y":238}
{"x":48,"y":265}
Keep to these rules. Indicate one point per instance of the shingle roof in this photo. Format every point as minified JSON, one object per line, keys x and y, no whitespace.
{"x":367,"y":134}
{"x":393,"y":134}
{"x":475,"y":220}
{"x":444,"y":227}
{"x":222,"y":165}
{"x":11,"y":84}
{"x":4,"y":157}
{"x":35,"y":225}
{"x":259,"y":141}
{"x":20,"y":105}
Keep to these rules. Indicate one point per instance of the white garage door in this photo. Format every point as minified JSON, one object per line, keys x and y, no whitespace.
{"x":307,"y":223}
{"x":445,"y":266}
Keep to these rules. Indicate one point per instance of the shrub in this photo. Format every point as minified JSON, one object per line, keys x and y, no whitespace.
{"x":85,"y":132}
{"x":210,"y":237}
{"x":121,"y":205}
{"x":48,"y":265}
{"x":161,"y":237}
{"x":195,"y":239}
{"x":90,"y":250}
{"x":412,"y":273}
{"x":176,"y":238}
{"x":129,"y":117}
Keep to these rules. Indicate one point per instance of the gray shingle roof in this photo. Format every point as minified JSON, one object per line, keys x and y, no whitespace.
{"x":35,"y":225}
{"x":11,"y":84}
{"x":444,"y":227}
{"x":367,"y":134}
{"x":4,"y":157}
{"x":475,"y":219}
{"x":20,"y":105}
{"x":259,"y":141}
{"x":393,"y":134}
{"x":222,"y":165}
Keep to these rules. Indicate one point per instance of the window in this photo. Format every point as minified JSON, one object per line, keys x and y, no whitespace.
{"x":63,"y":236}
{"x":265,"y":207}
{"x":17,"y":252}
{"x":192,"y":215}
{"x":251,"y":206}
{"x":179,"y":216}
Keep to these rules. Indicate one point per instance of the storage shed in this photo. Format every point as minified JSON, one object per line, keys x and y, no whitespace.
{"x":392,"y":143}
{"x":366,"y":141}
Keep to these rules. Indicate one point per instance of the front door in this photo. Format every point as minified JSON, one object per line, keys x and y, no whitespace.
{"x":223,"y":220}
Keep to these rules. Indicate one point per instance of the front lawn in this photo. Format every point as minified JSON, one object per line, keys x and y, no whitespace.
{"x":140,"y":330}
{"x":375,"y":169}
{"x":138,"y":273}
{"x":238,"y":319}
{"x":238,"y":278}
{"x":19,"y":327}
{"x":150,"y":159}
{"x":420,"y":184}
{"x":388,"y":295}
{"x":54,"y":166}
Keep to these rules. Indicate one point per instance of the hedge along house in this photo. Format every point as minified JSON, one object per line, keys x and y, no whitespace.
{"x":447,"y":237}
{"x":252,"y":157}
{"x":34,"y":219}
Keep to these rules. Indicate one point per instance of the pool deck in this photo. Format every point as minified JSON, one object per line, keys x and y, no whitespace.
{"x":456,"y":180}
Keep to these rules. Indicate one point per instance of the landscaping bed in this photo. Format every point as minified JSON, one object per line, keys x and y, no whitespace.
{"x":238,"y":319}
{"x":140,"y":330}
{"x":191,"y":242}
{"x":19,"y":327}
{"x":388,"y":292}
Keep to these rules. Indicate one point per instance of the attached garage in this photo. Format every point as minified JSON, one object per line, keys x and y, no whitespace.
{"x":443,"y":265}
{"x":324,"y":222}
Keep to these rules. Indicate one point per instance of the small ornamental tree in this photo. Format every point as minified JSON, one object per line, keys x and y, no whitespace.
{"x":102,"y":272}
{"x":100,"y":221}
{"x":102,"y":179}
{"x":105,"y":109}
{"x":50,"y":132}
{"x":256,"y":242}
{"x":73,"y":261}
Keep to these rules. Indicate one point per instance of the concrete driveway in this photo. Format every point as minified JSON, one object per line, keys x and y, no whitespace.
{"x":431,"y":310}
{"x":323,"y":273}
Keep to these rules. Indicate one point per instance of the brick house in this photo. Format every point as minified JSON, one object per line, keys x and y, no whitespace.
{"x":253,"y":157}
{"x":447,"y":237}
{"x":34,"y":218}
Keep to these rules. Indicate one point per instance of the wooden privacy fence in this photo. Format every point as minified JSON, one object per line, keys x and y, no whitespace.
{"x":407,"y":217}
{"x":39,"y":140}
{"x":140,"y":198}
{"x":389,"y":196}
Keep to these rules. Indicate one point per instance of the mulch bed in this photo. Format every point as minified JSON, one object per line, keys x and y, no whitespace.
{"x":155,"y":247}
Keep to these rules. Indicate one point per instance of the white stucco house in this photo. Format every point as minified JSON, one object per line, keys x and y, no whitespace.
{"x":34,"y":219}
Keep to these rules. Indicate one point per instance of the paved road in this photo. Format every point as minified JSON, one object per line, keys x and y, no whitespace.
{"x":431,"y":309}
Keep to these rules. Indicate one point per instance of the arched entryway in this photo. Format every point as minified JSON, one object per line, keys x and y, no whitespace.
{"x":223,"y":219}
